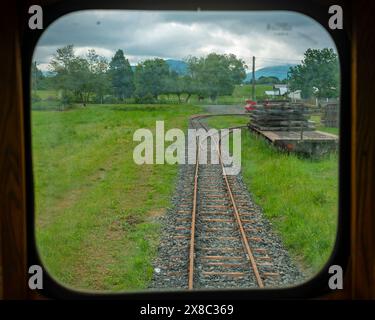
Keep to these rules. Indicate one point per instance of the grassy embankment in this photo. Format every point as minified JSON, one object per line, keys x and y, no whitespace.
{"x":240,"y":94}
{"x":95,"y":208}
{"x":47,"y":100}
{"x":298,"y":195}
{"x":243,"y":93}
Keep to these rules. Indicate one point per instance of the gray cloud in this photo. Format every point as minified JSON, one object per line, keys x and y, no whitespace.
{"x":273,"y":37}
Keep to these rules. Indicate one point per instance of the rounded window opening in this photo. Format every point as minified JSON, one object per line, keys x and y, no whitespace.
{"x":177,"y":150}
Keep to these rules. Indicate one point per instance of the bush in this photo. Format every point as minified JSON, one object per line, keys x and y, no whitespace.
{"x":35,"y":97}
{"x":129,"y":100}
{"x":110,"y":99}
{"x":163,"y":100}
{"x":67,"y":98}
{"x":147,"y":99}
{"x":46,"y":105}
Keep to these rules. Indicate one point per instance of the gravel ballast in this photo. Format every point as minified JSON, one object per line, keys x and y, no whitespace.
{"x":220,"y":259}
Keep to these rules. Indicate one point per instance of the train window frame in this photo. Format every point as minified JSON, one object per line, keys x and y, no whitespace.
{"x":315,"y":286}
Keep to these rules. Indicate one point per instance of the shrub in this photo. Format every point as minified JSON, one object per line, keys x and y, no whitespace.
{"x":147,"y":99}
{"x":67,"y":98}
{"x":35,"y":97}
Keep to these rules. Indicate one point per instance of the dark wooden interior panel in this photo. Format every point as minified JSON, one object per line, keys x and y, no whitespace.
{"x":12,"y":173}
{"x":363,"y":229}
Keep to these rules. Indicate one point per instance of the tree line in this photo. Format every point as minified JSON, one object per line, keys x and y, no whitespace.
{"x":92,"y":78}
{"x":318,"y":75}
{"x":269,"y":80}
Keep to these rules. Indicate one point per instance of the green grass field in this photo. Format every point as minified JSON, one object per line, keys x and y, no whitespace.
{"x":299,"y":196}
{"x":245,"y":90}
{"x":240,"y":94}
{"x":96,"y":209}
{"x":47,"y":94}
{"x":227,"y":121}
{"x":328,"y":130}
{"x":96,"y":212}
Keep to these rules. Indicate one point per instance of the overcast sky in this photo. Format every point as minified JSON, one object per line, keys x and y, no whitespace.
{"x":274,"y":38}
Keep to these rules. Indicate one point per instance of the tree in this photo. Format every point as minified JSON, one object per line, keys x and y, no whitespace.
{"x":60,"y":65}
{"x":72,"y":74}
{"x":216,"y":74}
{"x":173,"y":85}
{"x":121,"y":75}
{"x":189,"y":87}
{"x":317,"y":75}
{"x":78,"y":77}
{"x":151,"y":78}
{"x":62,"y":59}
{"x":36,"y":77}
{"x":99,"y":80}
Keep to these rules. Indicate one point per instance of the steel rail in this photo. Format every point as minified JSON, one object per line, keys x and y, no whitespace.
{"x":193,"y":218}
{"x":243,"y":234}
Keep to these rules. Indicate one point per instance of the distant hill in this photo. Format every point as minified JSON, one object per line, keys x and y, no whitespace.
{"x":181,"y":68}
{"x":177,"y":65}
{"x":279,"y":71}
{"x":174,"y":65}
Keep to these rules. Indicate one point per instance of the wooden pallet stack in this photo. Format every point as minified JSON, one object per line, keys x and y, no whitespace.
{"x":281,"y":116}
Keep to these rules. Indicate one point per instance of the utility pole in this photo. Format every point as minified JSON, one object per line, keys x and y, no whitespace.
{"x":253,"y":80}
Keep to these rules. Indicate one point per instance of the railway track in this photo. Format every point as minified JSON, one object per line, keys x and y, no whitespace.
{"x":218,"y":237}
{"x":220,"y":251}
